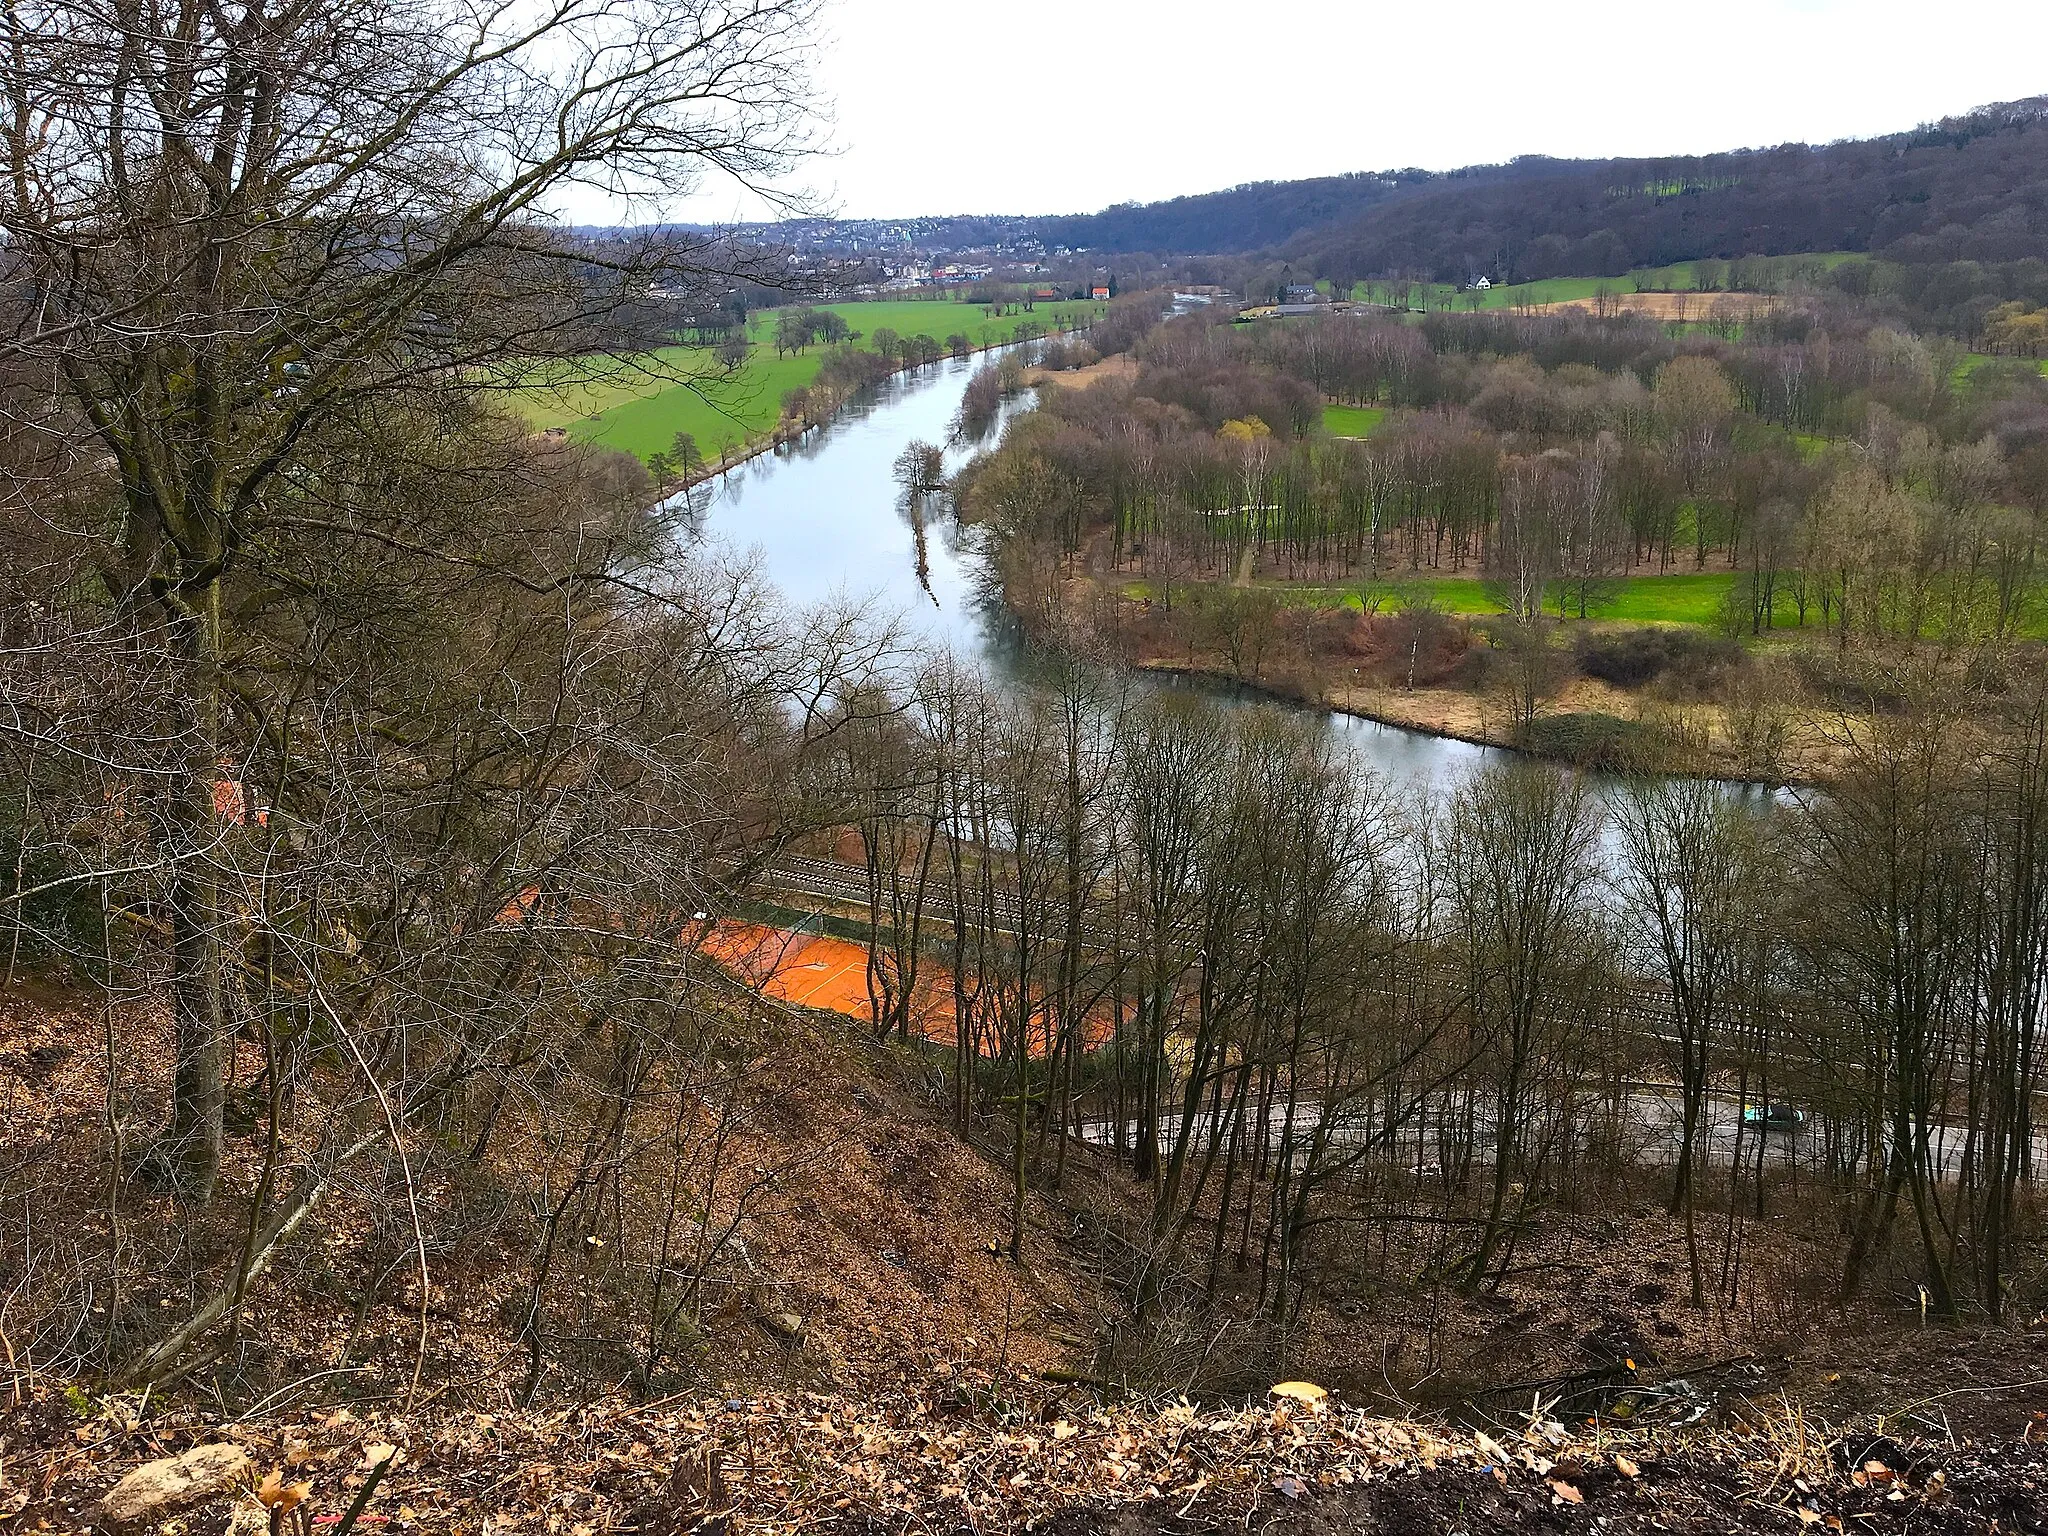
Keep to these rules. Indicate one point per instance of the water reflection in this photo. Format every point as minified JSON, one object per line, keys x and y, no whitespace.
{"x":830,"y":521}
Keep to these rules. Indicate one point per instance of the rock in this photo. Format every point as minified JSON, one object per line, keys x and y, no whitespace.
{"x":1300,"y":1391}
{"x":786,"y":1324}
{"x":159,"y":1487}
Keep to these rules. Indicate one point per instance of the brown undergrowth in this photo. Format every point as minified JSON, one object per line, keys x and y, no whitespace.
{"x":973,"y":1450}
{"x":871,"y":1366}
{"x":860,"y":1236}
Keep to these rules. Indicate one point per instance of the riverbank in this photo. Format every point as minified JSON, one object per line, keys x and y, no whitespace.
{"x":787,"y":432}
{"x":1603,"y":696}
{"x":639,"y":404}
{"x":1453,"y":715}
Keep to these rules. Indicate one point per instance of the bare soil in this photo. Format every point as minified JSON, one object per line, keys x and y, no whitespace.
{"x":1119,"y":365}
{"x":1671,"y":306}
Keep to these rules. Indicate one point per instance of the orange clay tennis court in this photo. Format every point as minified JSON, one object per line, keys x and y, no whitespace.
{"x":815,"y":971}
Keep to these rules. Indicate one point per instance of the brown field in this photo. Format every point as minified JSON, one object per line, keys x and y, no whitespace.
{"x":1672,"y":306}
{"x":1120,"y":365}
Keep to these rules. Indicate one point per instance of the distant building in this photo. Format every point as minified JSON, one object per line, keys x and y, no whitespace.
{"x":1484,"y":282}
{"x":1300,"y":293}
{"x":1045,"y":295}
{"x":1099,"y":291}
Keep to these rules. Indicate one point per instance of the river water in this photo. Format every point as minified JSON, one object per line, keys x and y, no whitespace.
{"x":828,"y":523}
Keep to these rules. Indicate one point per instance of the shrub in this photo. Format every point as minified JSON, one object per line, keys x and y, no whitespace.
{"x":1590,"y":739}
{"x":1683,"y":659}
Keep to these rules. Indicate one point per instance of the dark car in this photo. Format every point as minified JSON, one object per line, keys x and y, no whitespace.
{"x":1773,"y":1117}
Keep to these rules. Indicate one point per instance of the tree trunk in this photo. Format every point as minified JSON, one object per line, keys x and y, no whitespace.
{"x":191,"y":1145}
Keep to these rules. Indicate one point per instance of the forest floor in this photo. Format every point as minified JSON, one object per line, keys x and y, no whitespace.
{"x":886,"y":1371}
{"x":982,"y":1452}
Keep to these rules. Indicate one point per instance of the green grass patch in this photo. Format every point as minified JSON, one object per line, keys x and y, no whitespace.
{"x":1352,"y":420}
{"x":1690,"y":598}
{"x":638,"y":404}
{"x":1684,"y":598}
{"x":1681,"y":277}
{"x":1462,"y":595}
{"x":1972,"y":361}
{"x":1695,"y":598}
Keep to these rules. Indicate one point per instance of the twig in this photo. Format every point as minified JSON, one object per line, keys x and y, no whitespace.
{"x":412,"y":1201}
{"x":362,"y":1498}
{"x":292,"y":1386}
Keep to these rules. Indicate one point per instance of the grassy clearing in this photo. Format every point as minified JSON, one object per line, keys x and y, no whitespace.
{"x":639,"y":403}
{"x":1972,"y":361}
{"x":1352,"y":420}
{"x":1693,"y":598}
{"x":1689,"y":598}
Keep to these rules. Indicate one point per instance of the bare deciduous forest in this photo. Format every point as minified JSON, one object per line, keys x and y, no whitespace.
{"x":397,"y":1132}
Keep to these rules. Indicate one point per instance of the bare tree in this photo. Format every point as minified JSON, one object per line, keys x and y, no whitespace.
{"x":1696,"y":892}
{"x":243,"y":243}
{"x":1522,"y":839}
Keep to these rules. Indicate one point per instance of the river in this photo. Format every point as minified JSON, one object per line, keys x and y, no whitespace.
{"x":827,"y":520}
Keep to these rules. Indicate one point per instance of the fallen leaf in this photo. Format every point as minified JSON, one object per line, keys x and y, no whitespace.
{"x":1626,"y":1467}
{"x":1566,"y":1491}
{"x":275,"y":1493}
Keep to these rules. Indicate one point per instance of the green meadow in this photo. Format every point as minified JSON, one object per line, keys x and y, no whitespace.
{"x":639,"y":403}
{"x":1686,"y":598}
{"x":1972,"y":361}
{"x":1352,"y":420}
{"x":1689,"y":597}
{"x":1679,"y":278}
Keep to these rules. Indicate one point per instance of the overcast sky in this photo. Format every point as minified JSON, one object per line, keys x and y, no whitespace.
{"x":969,"y":107}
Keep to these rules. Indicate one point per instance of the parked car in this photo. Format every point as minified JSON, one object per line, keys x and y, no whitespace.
{"x":1773,"y":1117}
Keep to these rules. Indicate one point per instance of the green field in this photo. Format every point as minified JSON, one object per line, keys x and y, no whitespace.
{"x":1679,"y":278}
{"x":1352,"y":420}
{"x":1688,"y":598}
{"x":1693,"y":598}
{"x":639,"y":403}
{"x":1972,"y":361}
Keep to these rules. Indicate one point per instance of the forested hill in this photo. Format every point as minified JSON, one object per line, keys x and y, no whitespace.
{"x":1973,"y":187}
{"x":1254,"y":216}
